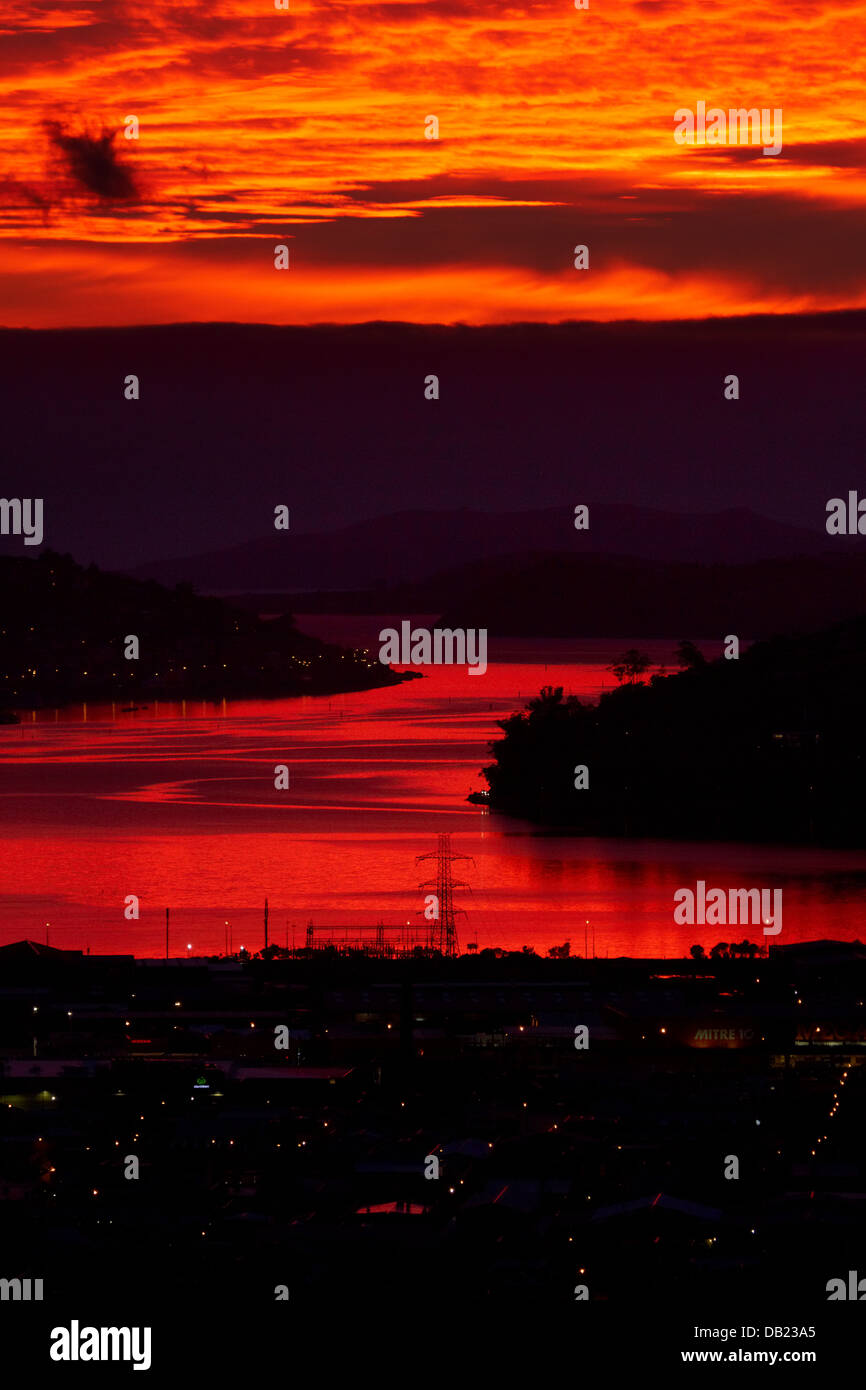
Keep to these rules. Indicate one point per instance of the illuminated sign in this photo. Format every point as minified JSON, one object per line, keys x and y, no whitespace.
{"x":830,"y":1035}
{"x":721,"y":1033}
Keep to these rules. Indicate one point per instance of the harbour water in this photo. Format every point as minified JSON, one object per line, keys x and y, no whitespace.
{"x":177,"y":806}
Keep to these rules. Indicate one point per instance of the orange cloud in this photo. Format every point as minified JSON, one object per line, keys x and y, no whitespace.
{"x":556,"y":128}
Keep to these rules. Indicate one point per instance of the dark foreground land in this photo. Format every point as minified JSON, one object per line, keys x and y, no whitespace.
{"x":559,"y":1166}
{"x":187,"y":647}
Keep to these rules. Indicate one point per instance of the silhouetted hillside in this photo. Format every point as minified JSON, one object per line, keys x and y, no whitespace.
{"x":613,"y":596}
{"x":407,"y":547}
{"x":608,"y":596}
{"x":770,"y":747}
{"x":65,"y":630}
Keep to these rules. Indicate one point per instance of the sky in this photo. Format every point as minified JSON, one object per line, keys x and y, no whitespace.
{"x":333,"y":423}
{"x":259,"y":126}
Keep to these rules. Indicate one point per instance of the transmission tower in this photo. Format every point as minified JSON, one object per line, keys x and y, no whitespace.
{"x":445,"y":935}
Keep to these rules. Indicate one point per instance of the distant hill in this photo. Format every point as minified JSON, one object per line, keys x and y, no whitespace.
{"x":65,"y":629}
{"x":612,"y":596}
{"x":600,"y":596}
{"x":407,"y":547}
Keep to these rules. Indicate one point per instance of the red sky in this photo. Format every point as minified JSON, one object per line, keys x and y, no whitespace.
{"x":556,"y":128}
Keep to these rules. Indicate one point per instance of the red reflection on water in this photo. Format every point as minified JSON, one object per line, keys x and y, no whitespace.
{"x":176,"y":804}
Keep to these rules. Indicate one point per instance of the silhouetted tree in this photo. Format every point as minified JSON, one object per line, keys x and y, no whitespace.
{"x":631,"y":666}
{"x":687,"y":654}
{"x":697,"y":953}
{"x":549,"y":699}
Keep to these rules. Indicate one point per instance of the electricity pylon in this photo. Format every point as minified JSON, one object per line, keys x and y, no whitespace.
{"x":444,"y":884}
